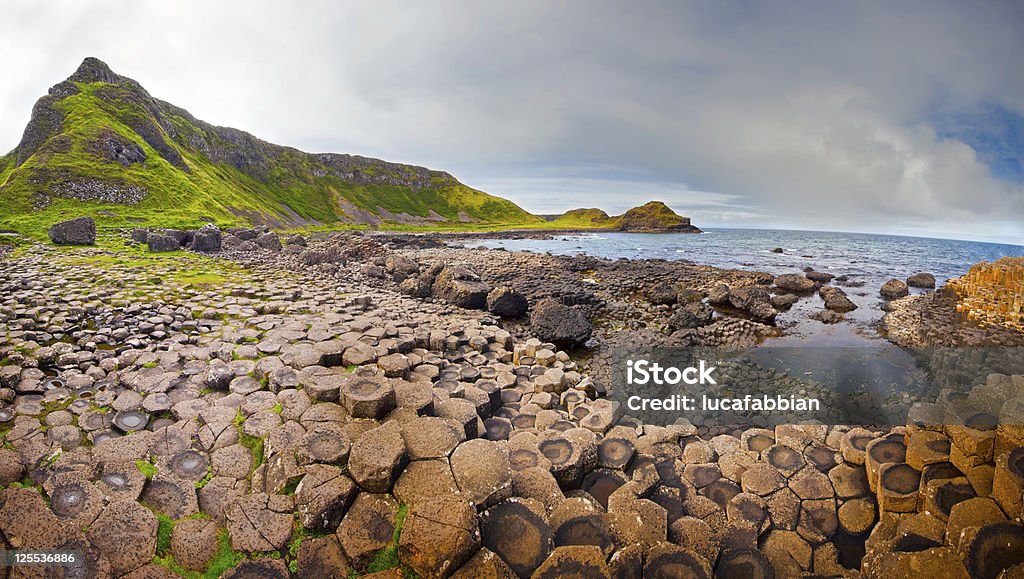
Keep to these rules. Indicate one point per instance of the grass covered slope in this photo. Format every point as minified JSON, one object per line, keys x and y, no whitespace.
{"x":654,"y":216}
{"x":98,"y":144}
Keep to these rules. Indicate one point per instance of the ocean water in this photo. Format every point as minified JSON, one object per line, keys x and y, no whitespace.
{"x":867,"y":259}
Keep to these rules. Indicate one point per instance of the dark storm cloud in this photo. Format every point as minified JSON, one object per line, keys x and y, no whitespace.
{"x":795,"y":114}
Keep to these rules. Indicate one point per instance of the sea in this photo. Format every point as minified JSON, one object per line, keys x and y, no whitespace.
{"x":868,"y":261}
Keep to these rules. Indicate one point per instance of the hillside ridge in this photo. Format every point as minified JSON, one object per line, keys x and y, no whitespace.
{"x":99,"y":144}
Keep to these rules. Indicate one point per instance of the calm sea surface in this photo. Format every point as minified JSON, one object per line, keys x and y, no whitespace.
{"x":867,"y":259}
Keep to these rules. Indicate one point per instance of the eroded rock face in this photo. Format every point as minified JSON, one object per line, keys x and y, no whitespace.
{"x":80,"y":231}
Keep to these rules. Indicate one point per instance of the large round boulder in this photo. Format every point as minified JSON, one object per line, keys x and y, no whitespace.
{"x":894,"y":289}
{"x":81,"y":231}
{"x":506,"y":302}
{"x":923,"y":280}
{"x":462,"y":287}
{"x":836,"y":300}
{"x":794,"y":283}
{"x":207,"y":239}
{"x":553,"y":321}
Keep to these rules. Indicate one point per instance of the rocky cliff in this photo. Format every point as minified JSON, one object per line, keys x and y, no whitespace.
{"x":98,"y":143}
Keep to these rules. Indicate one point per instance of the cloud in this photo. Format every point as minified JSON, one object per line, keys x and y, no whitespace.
{"x":795,"y":114}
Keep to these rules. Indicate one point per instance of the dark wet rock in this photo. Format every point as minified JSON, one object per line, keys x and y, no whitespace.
{"x":662,"y":294}
{"x":755,"y":302}
{"x":894,"y":289}
{"x":794,"y":283}
{"x":784,"y":301}
{"x":563,"y":325}
{"x":692,"y":315}
{"x":506,"y":302}
{"x":836,"y":300}
{"x":922,"y":280}
{"x":819,"y":277}
{"x":518,"y":534}
{"x":80,"y":231}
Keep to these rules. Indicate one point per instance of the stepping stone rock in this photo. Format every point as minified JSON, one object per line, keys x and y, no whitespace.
{"x":194,"y":543}
{"x":125,"y":532}
{"x":265,"y":568}
{"x":484,"y":565}
{"x":321,"y":557}
{"x":368,"y":527}
{"x":574,"y":561}
{"x":367,"y":396}
{"x":439,"y":536}
{"x":482,"y":471}
{"x":668,"y":560}
{"x":429,"y":437}
{"x":259,"y":522}
{"x":424,"y":479}
{"x":377,"y":457}
{"x":517,"y":533}
{"x":322,"y":497}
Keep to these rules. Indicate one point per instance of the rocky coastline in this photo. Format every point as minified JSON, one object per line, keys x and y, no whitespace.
{"x":255,"y":404}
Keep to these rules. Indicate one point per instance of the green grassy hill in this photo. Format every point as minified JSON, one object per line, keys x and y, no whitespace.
{"x":98,"y":144}
{"x":654,"y":216}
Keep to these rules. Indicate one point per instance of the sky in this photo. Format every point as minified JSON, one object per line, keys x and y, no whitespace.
{"x":891,"y":117}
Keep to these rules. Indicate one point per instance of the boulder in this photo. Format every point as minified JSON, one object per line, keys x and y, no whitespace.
{"x":795,"y":283}
{"x":819,"y":276}
{"x":207,"y":239}
{"x":139,"y":234}
{"x":894,"y":289}
{"x":400,"y":267}
{"x":556,"y":322}
{"x":662,"y":294}
{"x":506,"y":302}
{"x":755,"y":302}
{"x":924,"y":280}
{"x":836,"y":300}
{"x":269,"y":241}
{"x":159,"y":243}
{"x":81,"y":231}
{"x":461,"y":287}
{"x":694,"y":315}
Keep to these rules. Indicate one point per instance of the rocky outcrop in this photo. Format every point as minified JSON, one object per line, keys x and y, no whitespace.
{"x":81,"y":231}
{"x":894,"y":289}
{"x":922,"y":280}
{"x":462,"y":287}
{"x":836,"y":299}
{"x":207,"y":239}
{"x":556,"y":322}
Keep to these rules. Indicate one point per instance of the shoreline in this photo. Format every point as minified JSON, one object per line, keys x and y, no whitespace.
{"x":291,"y":388}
